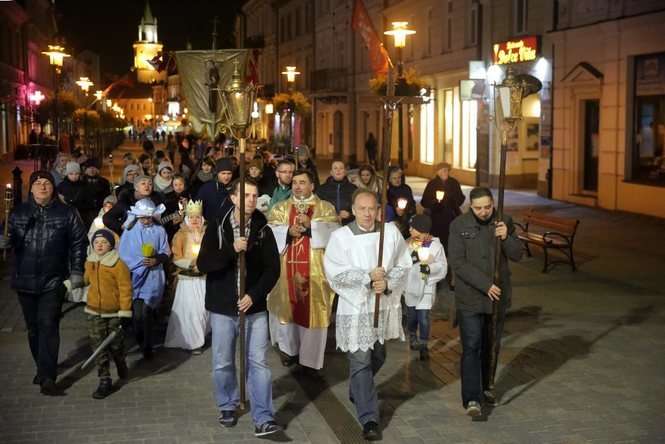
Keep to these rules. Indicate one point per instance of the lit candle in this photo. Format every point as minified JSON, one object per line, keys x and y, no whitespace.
{"x":401,"y":203}
{"x":439,"y":195}
{"x":423,"y":254}
{"x":99,"y":223}
{"x":195,"y":249}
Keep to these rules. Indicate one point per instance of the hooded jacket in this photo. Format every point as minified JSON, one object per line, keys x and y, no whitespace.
{"x":218,"y":259}
{"x":110,"y":292}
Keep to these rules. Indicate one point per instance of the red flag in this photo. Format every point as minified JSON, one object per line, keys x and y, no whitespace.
{"x":379,"y":59}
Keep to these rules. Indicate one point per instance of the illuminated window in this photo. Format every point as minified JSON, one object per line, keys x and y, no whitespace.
{"x":520,"y":8}
{"x":469,"y":142}
{"x":427,"y":129}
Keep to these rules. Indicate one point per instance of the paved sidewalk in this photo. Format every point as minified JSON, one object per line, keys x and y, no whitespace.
{"x":582,"y":362}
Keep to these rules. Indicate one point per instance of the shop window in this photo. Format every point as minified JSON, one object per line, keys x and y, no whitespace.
{"x":649,"y":124}
{"x":448,"y":123}
{"x":427,"y":129}
{"x":469,"y":141}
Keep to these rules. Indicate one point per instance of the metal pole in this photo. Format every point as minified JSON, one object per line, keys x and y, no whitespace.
{"x":400,"y":113}
{"x":242,"y":271}
{"x":55,"y":111}
{"x":496,"y":305}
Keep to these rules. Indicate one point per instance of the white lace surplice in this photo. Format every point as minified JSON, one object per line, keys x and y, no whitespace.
{"x":347,"y":263}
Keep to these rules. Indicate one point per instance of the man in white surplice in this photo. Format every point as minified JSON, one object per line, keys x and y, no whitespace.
{"x":350,"y":265}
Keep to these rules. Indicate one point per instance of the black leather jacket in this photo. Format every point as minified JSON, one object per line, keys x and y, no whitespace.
{"x":50,"y":243}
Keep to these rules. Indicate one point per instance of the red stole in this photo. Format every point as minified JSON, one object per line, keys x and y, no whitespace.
{"x":297,"y":266}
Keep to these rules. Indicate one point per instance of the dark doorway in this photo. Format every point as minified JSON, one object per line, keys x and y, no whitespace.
{"x":338,"y":135}
{"x":591,"y":123}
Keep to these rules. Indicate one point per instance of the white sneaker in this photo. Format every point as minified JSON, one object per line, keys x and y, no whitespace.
{"x":473,"y":409}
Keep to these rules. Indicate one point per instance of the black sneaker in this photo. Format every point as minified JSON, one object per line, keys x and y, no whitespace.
{"x":228,"y":418}
{"x":49,"y":388}
{"x":490,"y":398}
{"x":424,"y":354}
{"x":287,"y":361}
{"x":104,"y":388}
{"x":267,"y":428}
{"x":371,"y":431}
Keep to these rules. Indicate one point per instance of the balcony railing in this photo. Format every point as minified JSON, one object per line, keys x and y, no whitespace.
{"x":331,"y":79}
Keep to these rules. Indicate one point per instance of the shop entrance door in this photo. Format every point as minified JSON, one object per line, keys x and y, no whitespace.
{"x":590,"y":139}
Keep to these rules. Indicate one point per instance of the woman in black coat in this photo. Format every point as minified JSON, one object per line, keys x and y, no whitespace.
{"x":444,"y":209}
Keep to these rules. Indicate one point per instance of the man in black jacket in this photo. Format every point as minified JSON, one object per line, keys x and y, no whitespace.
{"x":338,"y":190}
{"x":218,"y":258}
{"x":50,"y":243}
{"x":471,"y":247}
{"x":215,"y":193}
{"x":116,"y":216}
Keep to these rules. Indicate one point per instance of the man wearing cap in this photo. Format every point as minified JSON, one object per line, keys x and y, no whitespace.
{"x":215,"y":194}
{"x":116,"y":216}
{"x":50,"y":243}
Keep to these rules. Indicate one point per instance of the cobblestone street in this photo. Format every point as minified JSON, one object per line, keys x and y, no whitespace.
{"x":582,"y":362}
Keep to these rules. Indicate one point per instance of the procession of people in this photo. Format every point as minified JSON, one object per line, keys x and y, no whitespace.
{"x":164,"y":245}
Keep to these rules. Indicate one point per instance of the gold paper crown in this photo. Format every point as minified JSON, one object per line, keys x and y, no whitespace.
{"x":194,"y":208}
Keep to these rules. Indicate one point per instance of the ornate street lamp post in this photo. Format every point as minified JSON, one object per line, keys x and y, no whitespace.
{"x":84,"y":83}
{"x":400,"y":31}
{"x":508,"y":112}
{"x":56,"y":54}
{"x":239,"y":98}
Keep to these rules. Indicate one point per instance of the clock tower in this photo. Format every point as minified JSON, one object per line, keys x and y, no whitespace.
{"x":146,"y":48}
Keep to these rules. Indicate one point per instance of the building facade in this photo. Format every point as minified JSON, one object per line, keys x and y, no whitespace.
{"x":609,"y":105}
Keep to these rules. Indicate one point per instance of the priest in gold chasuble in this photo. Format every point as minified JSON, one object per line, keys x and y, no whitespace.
{"x":301,"y":302}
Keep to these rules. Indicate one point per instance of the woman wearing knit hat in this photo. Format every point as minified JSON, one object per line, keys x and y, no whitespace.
{"x":128,"y":175}
{"x":163,"y":180}
{"x":189,"y":322}
{"x":73,"y":191}
{"x":203,"y":175}
{"x":109,"y":307}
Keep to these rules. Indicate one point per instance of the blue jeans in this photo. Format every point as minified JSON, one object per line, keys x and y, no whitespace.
{"x":417,"y":324}
{"x":363,"y":365}
{"x":259,"y":378}
{"x":476,"y":351}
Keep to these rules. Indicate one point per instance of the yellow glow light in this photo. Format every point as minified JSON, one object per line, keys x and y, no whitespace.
{"x":399,"y":32}
{"x":85,"y":84}
{"x":56,"y":54}
{"x":290,"y":74}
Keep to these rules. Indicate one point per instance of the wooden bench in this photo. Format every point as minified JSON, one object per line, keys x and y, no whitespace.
{"x":551,"y":232}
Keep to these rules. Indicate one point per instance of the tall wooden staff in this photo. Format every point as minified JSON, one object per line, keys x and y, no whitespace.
{"x":9,"y":198}
{"x":389,"y":106}
{"x":511,"y":93}
{"x":239,"y":99}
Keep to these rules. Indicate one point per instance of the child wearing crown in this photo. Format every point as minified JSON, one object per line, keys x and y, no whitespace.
{"x":189,"y":322}
{"x":429,"y":267}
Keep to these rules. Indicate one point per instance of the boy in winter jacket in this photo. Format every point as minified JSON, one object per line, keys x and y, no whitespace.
{"x":429,"y":267}
{"x":109,"y":306}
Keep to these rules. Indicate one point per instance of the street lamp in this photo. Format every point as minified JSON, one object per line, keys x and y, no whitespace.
{"x":400,"y":31}
{"x":239,"y":98}
{"x":508,"y":111}
{"x":85,"y":84}
{"x":57,"y":55}
{"x":290,"y":74}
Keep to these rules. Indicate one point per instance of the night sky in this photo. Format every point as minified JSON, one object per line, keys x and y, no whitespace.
{"x":109,"y":28}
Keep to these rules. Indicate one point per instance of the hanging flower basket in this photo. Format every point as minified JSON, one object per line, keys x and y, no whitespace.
{"x":292,"y":101}
{"x":409,"y":85}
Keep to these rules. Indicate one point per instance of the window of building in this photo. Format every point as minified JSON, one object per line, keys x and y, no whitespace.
{"x":520,"y":8}
{"x":469,"y":135}
{"x":412,"y":46}
{"x":648,"y":147}
{"x":448,"y":121}
{"x":448,"y":40}
{"x":427,"y":131}
{"x":298,"y":20}
{"x":474,"y":22}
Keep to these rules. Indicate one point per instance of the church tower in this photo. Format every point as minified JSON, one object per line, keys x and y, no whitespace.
{"x":146,"y":48}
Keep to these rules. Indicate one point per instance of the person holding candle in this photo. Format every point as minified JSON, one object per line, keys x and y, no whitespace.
{"x":401,"y":205}
{"x":443,"y":198}
{"x":144,"y":248}
{"x":189,"y":322}
{"x":429,"y":267}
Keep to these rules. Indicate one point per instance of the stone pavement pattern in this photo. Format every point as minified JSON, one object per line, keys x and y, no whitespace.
{"x":582,"y":362}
